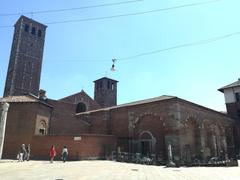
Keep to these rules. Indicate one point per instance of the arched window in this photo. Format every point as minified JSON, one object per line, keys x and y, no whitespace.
{"x":81,"y":107}
{"x":42,"y":127}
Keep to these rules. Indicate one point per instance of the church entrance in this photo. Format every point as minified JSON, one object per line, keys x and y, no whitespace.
{"x":146,"y":143}
{"x":145,"y":148}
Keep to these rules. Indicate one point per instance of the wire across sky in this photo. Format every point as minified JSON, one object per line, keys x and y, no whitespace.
{"x":126,"y":14}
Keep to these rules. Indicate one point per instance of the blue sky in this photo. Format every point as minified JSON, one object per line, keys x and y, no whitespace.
{"x":76,"y":54}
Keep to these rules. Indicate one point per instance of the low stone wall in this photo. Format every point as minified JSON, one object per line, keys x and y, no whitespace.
{"x":84,"y":146}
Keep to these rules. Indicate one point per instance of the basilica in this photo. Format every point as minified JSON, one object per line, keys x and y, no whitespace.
{"x":95,"y":128}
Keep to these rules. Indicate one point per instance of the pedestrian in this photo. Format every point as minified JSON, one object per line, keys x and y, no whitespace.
{"x":22,"y":153}
{"x":52,"y":153}
{"x":64,"y":153}
{"x":28,"y":149}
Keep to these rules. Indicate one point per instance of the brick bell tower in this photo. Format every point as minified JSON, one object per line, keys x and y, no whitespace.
{"x":105,"y":92}
{"x":25,"y":64}
{"x":232,"y":100}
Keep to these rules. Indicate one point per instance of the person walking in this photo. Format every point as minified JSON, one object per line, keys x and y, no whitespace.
{"x":22,"y":153}
{"x":28,"y":150}
{"x":64,"y":153}
{"x":52,"y":153}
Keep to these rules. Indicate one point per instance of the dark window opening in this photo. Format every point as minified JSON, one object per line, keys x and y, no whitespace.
{"x":42,"y":127}
{"x":81,"y":107}
{"x":237,"y":95}
{"x":108,"y":85}
{"x":33,"y":30}
{"x":26,"y":27}
{"x":42,"y":131}
{"x":101,"y":85}
{"x":39,"y":33}
{"x":238,"y":113}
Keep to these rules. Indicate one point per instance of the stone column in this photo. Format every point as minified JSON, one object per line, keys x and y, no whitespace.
{"x":170,"y":156}
{"x":3,"y":116}
{"x":214,"y":144}
{"x":202,"y":140}
{"x":224,"y":142}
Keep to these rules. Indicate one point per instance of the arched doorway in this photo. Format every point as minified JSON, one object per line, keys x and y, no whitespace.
{"x":146,"y":143}
{"x":149,"y":135}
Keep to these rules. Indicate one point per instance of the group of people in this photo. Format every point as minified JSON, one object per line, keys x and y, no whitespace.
{"x":53,"y":153}
{"x":24,"y":153}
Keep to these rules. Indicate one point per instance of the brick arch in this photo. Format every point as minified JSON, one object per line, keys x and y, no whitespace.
{"x":141,"y":116}
{"x":153,"y":124}
{"x":191,"y":121}
{"x":191,"y":132}
{"x":147,"y":133}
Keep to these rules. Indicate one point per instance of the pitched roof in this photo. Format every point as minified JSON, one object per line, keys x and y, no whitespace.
{"x":235,"y":84}
{"x":105,"y":78}
{"x":82,"y":92}
{"x":159,"y":98}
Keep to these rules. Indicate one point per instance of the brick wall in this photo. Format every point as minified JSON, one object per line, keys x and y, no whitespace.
{"x":20,"y":125}
{"x":63,"y":119}
{"x":89,"y":147}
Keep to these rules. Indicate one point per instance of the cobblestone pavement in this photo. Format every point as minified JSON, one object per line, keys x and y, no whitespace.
{"x":109,"y":170}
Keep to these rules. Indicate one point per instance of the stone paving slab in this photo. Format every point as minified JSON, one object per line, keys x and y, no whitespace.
{"x":109,"y":170}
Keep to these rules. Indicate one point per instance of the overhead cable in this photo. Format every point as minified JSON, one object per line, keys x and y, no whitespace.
{"x":70,"y":9}
{"x":126,"y":15}
{"x":197,"y":43}
{"x":191,"y":44}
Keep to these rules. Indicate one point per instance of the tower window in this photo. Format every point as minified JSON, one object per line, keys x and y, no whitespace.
{"x":33,"y":30}
{"x":237,"y":95}
{"x":101,"y":85}
{"x":112,"y":87}
{"x":108,"y":85}
{"x":26,"y":27}
{"x":39,"y":33}
{"x":238,"y":113}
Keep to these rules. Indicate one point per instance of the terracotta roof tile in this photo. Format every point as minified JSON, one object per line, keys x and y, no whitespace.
{"x":160,"y":98}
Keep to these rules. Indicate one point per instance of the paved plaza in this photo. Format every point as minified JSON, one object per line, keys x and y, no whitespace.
{"x":104,"y":170}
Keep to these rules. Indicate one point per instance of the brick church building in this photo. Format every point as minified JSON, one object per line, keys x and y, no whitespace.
{"x":95,"y":127}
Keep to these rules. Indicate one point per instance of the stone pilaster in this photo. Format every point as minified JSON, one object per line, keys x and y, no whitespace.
{"x":3,"y":117}
{"x":202,"y":141}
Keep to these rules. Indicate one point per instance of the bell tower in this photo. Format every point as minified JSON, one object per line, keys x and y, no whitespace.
{"x":105,"y":92}
{"x":232,"y":100}
{"x":25,"y":64}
